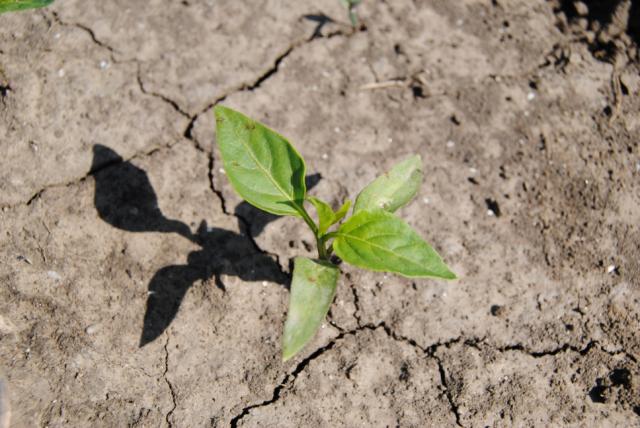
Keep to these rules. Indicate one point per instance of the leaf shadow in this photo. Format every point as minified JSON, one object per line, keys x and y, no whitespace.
{"x":125,"y":199}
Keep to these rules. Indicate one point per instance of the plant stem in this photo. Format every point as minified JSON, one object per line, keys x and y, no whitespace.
{"x":322,"y":250}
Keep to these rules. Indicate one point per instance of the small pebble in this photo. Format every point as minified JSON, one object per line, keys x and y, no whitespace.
{"x":337,"y":130}
{"x":264,"y":283}
{"x":611,"y":268}
{"x":531,"y":96}
{"x":57,"y":36}
{"x":460,"y":22}
{"x":450,"y":144}
{"x":221,"y":171}
{"x":426,"y":200}
{"x":490,"y":213}
{"x":325,"y":156}
{"x":93,"y":328}
{"x":473,"y":170}
{"x":54,"y":275}
{"x":104,"y":64}
{"x":61,"y":72}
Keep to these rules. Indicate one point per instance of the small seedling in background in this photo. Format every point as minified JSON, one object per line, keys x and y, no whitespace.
{"x":351,"y":8}
{"x":268,"y":172}
{"x":13,"y":5}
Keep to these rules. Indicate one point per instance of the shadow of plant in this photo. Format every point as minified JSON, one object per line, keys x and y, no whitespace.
{"x":125,"y":199}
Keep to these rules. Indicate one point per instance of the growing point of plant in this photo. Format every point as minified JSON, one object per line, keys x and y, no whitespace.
{"x":268,"y":172}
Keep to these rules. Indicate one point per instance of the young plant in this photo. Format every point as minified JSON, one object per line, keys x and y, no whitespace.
{"x":351,"y":8}
{"x":12,"y":5}
{"x":268,"y":172}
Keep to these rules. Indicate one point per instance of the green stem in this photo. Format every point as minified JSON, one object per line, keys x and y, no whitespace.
{"x":322,"y":250}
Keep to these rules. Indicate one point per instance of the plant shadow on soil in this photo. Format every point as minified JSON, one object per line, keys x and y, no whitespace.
{"x":125,"y":199}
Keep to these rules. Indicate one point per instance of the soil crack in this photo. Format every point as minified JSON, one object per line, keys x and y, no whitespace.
{"x":164,"y":98}
{"x":290,"y":378}
{"x":87,"y":30}
{"x":166,"y":379}
{"x":447,"y":391}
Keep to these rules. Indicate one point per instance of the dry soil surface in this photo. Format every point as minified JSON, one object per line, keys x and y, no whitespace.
{"x":137,"y":290}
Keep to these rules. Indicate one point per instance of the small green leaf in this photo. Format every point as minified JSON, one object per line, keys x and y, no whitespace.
{"x":11,"y":5}
{"x":326,"y":216}
{"x":312,"y":289}
{"x":339,"y":215}
{"x":262,"y":166}
{"x":379,"y":241}
{"x":393,"y":189}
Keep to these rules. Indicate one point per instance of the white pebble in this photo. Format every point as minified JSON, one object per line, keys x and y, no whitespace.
{"x":490,"y":213}
{"x":526,"y":113}
{"x":531,"y":96}
{"x":54,"y":275}
{"x":61,"y":72}
{"x":104,"y":64}
{"x":611,"y":268}
{"x":637,"y":166}
{"x":221,"y":171}
{"x":91,"y":329}
{"x":473,"y":170}
{"x":264,"y":283}
{"x":57,"y":36}
{"x":459,"y":22}
{"x":325,"y":156}
{"x":426,"y":200}
{"x":390,"y":140}
{"x":450,"y":144}
{"x":337,"y":130}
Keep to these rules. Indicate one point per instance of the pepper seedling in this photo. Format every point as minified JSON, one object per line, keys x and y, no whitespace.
{"x":268,"y":172}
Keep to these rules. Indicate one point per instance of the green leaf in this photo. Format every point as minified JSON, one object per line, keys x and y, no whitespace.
{"x":379,"y":241}
{"x":262,"y":166}
{"x":326,"y":216}
{"x":11,"y":5}
{"x":312,"y":290}
{"x":393,"y":189}
{"x":339,"y":215}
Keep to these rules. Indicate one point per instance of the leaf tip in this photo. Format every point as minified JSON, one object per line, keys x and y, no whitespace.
{"x":448,"y":274}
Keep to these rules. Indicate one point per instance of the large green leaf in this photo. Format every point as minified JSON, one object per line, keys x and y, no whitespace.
{"x":393,"y":189}
{"x":379,"y":241}
{"x":261,"y":165}
{"x":326,"y":216}
{"x":11,"y":5}
{"x":312,"y":289}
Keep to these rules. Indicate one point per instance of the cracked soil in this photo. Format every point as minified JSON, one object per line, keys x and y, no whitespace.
{"x":136,"y":289}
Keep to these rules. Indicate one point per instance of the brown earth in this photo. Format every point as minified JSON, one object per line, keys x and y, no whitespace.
{"x":118,"y":227}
